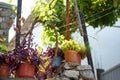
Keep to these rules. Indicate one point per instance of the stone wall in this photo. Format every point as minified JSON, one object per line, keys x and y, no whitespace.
{"x":73,"y":71}
{"x":28,"y":24}
{"x":7,"y":16}
{"x":68,"y":71}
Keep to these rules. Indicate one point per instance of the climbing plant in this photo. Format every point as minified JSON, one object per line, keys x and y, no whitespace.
{"x":48,"y":37}
{"x":98,"y":13}
{"x":53,"y":15}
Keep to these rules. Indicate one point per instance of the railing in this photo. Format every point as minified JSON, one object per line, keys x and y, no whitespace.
{"x":112,"y":74}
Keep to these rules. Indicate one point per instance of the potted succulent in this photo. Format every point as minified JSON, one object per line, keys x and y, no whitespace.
{"x":71,"y":49}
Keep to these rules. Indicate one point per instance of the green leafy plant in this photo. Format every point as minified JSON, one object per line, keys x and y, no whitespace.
{"x":83,"y":51}
{"x":3,"y":48}
{"x":75,"y":45}
{"x":71,"y":45}
{"x":48,"y":37}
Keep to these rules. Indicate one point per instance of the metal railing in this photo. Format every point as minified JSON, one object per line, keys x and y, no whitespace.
{"x":112,"y":74}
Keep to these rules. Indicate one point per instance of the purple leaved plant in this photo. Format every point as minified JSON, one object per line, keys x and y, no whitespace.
{"x":2,"y":59}
{"x":24,"y":54}
{"x":27,"y":54}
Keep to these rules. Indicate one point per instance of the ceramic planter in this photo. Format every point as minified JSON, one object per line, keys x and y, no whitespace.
{"x":58,"y":61}
{"x":72,"y":56}
{"x":5,"y":71}
{"x":26,"y":70}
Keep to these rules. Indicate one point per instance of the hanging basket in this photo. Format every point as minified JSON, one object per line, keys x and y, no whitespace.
{"x":26,"y":70}
{"x":5,"y":71}
{"x":72,"y":56}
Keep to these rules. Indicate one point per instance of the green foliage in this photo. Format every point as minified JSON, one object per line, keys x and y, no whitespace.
{"x":39,"y":49}
{"x":3,"y":48}
{"x":49,"y":39}
{"x":45,"y":13}
{"x":10,"y":1}
{"x":70,"y":45}
{"x":54,"y":14}
{"x":98,"y":13}
{"x":14,"y":8}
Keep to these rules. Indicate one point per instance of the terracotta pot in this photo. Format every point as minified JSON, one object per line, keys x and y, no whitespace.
{"x":26,"y":70}
{"x":79,"y":59}
{"x":5,"y":71}
{"x":72,"y":56}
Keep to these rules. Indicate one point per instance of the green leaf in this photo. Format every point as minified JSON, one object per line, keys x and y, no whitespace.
{"x":10,"y":1}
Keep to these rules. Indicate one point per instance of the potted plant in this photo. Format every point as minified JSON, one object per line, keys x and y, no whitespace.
{"x":50,"y":62}
{"x":71,"y":49}
{"x":4,"y":65}
{"x":25,"y":61}
{"x":83,"y":51}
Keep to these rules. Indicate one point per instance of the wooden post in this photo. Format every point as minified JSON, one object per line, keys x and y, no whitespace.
{"x":19,"y":7}
{"x":67,"y":21}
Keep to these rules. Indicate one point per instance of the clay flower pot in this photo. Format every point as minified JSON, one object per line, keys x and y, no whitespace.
{"x":72,"y":56}
{"x":4,"y":70}
{"x":26,"y":70}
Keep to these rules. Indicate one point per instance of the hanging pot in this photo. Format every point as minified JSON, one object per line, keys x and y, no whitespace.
{"x":72,"y":56}
{"x":58,"y":61}
{"x":26,"y":70}
{"x":4,"y":70}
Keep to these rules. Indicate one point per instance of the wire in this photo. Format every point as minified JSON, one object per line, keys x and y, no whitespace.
{"x":100,"y":17}
{"x":99,"y":12}
{"x":77,"y":28}
{"x":90,"y":21}
{"x":69,"y":30}
{"x":68,"y":24}
{"x":89,"y":17}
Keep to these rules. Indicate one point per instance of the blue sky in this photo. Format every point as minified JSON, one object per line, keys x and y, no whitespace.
{"x":105,"y":48}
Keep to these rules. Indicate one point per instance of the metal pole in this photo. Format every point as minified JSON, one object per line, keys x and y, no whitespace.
{"x":86,"y":41}
{"x":83,"y":32}
{"x":78,"y":16}
{"x":19,"y":8}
